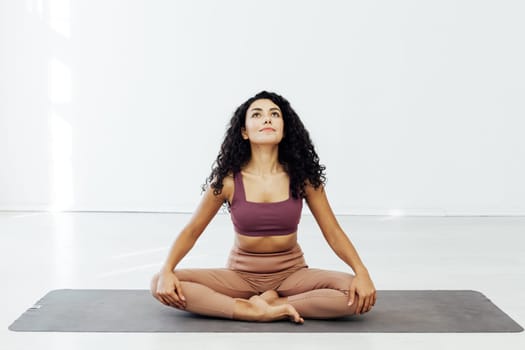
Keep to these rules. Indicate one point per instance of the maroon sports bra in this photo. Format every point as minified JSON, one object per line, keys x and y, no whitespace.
{"x":265,"y":218}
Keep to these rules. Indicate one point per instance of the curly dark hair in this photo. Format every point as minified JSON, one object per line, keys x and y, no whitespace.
{"x":296,"y":150}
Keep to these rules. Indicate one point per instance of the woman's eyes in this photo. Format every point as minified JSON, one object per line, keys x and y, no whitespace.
{"x":257,"y":115}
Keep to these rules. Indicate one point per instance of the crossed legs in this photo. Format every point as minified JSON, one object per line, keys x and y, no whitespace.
{"x":223,"y":293}
{"x":308,"y":293}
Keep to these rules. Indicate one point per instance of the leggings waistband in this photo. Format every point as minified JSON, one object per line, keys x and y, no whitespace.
{"x":241,"y":260}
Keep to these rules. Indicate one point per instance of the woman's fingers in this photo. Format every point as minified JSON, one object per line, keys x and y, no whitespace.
{"x":352,"y":295}
{"x":178,"y":290}
{"x":372,"y":301}
{"x":167,"y":289}
{"x":364,"y":306}
{"x":365,"y":303}
{"x":170,"y":298}
{"x":369,"y":302}
{"x":175,"y":300}
{"x":360,"y":304}
{"x":162,"y":300}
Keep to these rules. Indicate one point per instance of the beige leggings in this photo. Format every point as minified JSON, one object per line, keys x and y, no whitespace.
{"x":314,"y":293}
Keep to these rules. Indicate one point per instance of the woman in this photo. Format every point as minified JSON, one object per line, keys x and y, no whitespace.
{"x":266,"y":166}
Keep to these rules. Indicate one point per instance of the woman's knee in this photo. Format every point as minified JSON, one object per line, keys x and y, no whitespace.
{"x":340,"y":307}
{"x":353,"y":308}
{"x":339,"y":281}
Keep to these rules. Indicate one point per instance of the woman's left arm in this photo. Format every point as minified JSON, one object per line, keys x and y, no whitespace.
{"x":340,"y":243}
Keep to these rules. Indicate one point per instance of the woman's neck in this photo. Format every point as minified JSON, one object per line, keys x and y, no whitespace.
{"x":264,"y":161}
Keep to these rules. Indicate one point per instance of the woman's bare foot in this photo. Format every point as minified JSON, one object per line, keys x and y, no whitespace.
{"x":292,"y":313}
{"x":275,"y":312}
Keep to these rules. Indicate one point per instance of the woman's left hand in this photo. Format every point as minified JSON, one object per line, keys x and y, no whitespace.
{"x":364,"y":287}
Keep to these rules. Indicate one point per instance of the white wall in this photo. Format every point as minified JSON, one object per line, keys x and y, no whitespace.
{"x":414,"y":106}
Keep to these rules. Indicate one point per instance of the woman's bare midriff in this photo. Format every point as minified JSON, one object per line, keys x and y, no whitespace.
{"x":267,"y":244}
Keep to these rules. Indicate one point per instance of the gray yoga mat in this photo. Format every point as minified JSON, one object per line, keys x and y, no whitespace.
{"x":412,"y":311}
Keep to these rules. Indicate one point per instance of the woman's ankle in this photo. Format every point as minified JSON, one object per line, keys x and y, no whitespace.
{"x":273,"y":298}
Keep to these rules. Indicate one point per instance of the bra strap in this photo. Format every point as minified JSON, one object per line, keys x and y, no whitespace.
{"x":238,"y":191}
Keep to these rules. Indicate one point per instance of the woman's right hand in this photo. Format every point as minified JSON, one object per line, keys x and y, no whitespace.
{"x":168,"y":290}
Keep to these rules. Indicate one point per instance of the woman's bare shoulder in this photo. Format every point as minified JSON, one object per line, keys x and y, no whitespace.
{"x":310,"y":189}
{"x":228,"y":187}
{"x":228,"y":180}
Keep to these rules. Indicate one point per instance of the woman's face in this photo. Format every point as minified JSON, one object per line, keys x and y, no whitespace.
{"x":264,"y":123}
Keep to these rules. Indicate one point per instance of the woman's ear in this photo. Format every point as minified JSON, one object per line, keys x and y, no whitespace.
{"x":244,"y":134}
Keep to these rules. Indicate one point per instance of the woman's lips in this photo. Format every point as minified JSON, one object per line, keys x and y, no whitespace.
{"x":268,"y":129}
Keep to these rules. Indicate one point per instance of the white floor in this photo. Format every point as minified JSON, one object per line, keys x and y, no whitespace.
{"x":42,"y":251}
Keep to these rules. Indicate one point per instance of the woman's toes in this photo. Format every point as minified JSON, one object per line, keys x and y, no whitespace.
{"x":293,"y":314}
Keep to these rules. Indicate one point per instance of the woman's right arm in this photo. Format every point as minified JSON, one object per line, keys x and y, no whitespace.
{"x":168,"y":290}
